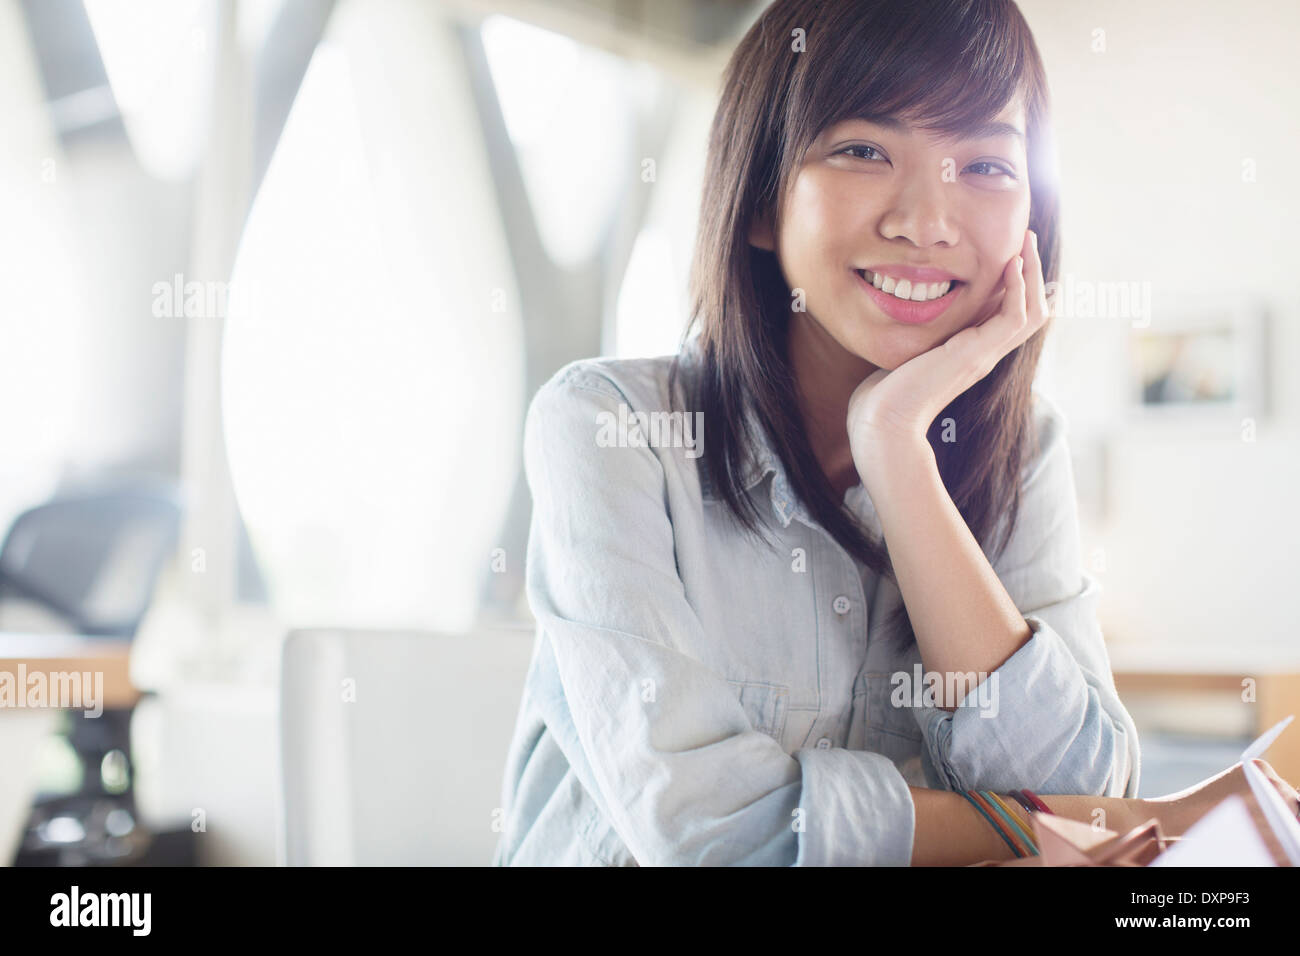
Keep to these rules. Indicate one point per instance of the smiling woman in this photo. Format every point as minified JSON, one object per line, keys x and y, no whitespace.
{"x":917,"y":138}
{"x":880,"y":494}
{"x":857,"y":184}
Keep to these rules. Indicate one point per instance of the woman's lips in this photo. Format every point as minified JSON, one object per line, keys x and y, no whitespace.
{"x":905,"y":310}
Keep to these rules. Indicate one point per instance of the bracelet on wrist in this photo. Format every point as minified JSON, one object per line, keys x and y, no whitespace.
{"x":1006,"y":819}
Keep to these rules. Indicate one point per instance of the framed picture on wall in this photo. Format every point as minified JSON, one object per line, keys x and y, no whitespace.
{"x":1200,"y":360}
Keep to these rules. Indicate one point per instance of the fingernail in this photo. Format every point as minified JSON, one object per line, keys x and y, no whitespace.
{"x":1035,"y":235}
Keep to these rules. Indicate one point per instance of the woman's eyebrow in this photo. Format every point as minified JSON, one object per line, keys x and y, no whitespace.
{"x":992,"y":129}
{"x":986,"y":130}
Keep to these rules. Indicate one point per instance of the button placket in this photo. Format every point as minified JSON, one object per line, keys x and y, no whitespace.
{"x":845,"y":616}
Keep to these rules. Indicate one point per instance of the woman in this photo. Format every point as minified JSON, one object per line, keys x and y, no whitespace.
{"x":809,"y":592}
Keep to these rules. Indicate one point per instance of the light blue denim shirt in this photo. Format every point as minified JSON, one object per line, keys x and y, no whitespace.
{"x":695,"y":697}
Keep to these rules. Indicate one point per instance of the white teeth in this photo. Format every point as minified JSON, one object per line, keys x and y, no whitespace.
{"x":905,"y":289}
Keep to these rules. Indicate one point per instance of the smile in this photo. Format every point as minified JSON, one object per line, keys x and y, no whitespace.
{"x":912,"y":303}
{"x":906,"y":289}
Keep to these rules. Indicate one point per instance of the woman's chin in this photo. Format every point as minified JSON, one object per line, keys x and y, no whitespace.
{"x":890,"y":355}
{"x":887,"y":347}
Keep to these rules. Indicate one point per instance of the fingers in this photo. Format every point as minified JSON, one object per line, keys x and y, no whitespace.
{"x":1026,"y":302}
{"x":1036,"y":289}
{"x":1016,"y":304}
{"x":1020,"y":313}
{"x":1009,"y":320}
{"x":1287,"y":791}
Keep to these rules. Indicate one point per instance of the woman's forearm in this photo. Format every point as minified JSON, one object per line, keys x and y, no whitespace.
{"x":951,"y":832}
{"x":964,"y":620}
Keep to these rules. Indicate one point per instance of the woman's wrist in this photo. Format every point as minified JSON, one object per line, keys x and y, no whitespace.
{"x":885,"y":460}
{"x":948,"y":831}
{"x":1118,"y":814}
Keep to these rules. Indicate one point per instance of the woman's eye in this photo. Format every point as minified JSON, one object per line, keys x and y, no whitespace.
{"x":990,"y":169}
{"x":857,"y":150}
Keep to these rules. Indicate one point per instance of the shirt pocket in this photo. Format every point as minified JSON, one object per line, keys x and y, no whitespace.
{"x":891,"y":730}
{"x":765,"y":705}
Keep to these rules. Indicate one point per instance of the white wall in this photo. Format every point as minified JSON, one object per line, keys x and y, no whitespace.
{"x":91,"y":376}
{"x":1152,"y":135}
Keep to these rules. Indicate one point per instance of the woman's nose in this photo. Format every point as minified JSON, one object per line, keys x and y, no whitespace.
{"x":920,"y":211}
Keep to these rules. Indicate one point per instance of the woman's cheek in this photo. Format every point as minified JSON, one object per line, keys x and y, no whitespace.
{"x":988,"y":304}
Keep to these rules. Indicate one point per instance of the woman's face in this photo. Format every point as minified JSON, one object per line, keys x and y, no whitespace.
{"x":874,"y":203}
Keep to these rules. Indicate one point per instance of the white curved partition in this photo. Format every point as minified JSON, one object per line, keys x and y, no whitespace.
{"x":373,"y":362}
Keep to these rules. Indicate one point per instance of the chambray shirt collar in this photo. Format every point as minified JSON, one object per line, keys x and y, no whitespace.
{"x":786,"y":505}
{"x":764,"y":461}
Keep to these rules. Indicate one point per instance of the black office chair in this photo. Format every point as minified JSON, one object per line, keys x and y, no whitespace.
{"x":92,"y":560}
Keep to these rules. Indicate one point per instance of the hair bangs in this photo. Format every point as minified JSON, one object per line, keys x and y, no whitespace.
{"x":947,"y":68}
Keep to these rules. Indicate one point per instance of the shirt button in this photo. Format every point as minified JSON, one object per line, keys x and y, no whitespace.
{"x":841,"y":605}
{"x":824,"y":744}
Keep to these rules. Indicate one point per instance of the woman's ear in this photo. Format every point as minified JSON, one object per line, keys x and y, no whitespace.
{"x":760,"y":233}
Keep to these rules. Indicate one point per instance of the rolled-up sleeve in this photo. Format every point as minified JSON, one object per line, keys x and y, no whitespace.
{"x":660,"y":741}
{"x":1056,"y":723}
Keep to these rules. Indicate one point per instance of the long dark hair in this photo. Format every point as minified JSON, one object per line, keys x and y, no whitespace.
{"x":954,"y":64}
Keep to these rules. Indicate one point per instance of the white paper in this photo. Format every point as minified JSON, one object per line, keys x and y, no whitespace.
{"x":1283,"y":822}
{"x":1285,"y":826}
{"x":1265,"y":740}
{"x":1226,"y":836}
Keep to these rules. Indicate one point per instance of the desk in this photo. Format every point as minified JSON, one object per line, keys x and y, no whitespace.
{"x":22,"y":728}
{"x":63,"y":653}
{"x":1221,"y":672}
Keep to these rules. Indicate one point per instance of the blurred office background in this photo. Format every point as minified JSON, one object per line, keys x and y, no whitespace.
{"x":280,"y":277}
